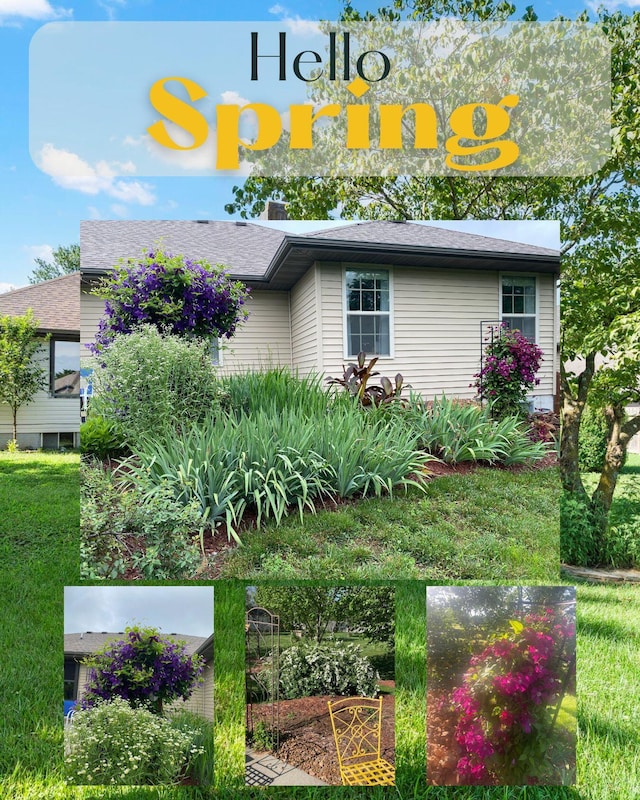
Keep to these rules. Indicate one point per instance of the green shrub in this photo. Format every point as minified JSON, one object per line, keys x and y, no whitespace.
{"x":168,"y":548}
{"x":579,"y":537}
{"x":333,"y":669}
{"x":101,"y":437}
{"x":147,"y":382}
{"x":594,"y":433}
{"x":116,"y":744}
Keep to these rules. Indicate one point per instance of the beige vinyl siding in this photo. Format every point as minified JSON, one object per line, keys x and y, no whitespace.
{"x":547,"y":314}
{"x":264,"y":340}
{"x":201,"y":701}
{"x":44,"y":414}
{"x":305,"y":334}
{"x":91,"y":310}
{"x":436,"y":316}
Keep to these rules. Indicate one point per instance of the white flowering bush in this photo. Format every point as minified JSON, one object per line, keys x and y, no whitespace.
{"x":112,"y":743}
{"x":334,"y":668}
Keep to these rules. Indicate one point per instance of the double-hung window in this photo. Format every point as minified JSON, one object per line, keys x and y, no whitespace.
{"x":519,"y":304}
{"x":368,"y":312}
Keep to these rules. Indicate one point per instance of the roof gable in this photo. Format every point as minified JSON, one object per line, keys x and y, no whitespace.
{"x":55,"y":304}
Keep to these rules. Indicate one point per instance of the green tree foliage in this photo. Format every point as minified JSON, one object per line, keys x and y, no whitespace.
{"x":314,"y":609}
{"x":21,"y":376}
{"x":600,"y":223}
{"x":65,"y":260}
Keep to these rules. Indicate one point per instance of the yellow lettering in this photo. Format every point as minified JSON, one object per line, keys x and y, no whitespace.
{"x":228,"y":137}
{"x":178,"y":112}
{"x":497,"y":124}
{"x":425,"y":134}
{"x":302,"y":119}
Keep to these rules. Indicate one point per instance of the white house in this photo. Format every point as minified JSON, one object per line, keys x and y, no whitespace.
{"x":52,"y":418}
{"x":419,"y":297}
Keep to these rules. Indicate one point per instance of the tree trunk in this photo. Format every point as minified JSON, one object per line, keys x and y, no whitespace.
{"x":14,"y":409}
{"x":619,"y":438}
{"x":572,"y":408}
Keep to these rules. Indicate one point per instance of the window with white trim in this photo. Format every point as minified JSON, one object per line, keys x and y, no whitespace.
{"x":368,"y":312}
{"x":519,"y":304}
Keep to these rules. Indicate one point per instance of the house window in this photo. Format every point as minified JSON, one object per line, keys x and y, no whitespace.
{"x":65,"y":368}
{"x":70,"y":679}
{"x":519,"y":307}
{"x":368,"y":312}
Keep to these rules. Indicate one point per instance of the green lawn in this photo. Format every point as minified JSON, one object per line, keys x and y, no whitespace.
{"x":485,"y":525}
{"x":39,"y":530}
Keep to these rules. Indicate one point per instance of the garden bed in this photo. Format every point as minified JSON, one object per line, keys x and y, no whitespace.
{"x":306,"y":738}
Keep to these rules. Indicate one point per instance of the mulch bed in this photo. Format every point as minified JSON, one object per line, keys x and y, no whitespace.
{"x":306,"y":738}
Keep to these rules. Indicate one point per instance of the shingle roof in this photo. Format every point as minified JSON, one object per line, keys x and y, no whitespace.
{"x":407,"y":233}
{"x":55,"y":303}
{"x":244,"y":247}
{"x":259,"y":254}
{"x":83,"y":644}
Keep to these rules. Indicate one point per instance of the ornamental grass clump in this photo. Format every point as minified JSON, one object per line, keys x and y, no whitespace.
{"x":504,"y":703}
{"x":509,"y":370}
{"x":112,"y":743}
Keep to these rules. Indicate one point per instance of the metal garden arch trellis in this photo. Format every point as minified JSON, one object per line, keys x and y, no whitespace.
{"x":262,"y":667}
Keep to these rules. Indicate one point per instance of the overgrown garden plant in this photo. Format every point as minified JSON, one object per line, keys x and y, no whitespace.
{"x":178,"y":295}
{"x":509,"y":370}
{"x":144,"y":669}
{"x":504,"y":703}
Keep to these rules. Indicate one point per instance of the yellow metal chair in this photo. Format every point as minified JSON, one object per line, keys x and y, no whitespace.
{"x":357,"y":724}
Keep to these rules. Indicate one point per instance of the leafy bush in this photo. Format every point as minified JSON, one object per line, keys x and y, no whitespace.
{"x":332,"y":668}
{"x":174,"y":294}
{"x":504,"y":723}
{"x":593,"y":437}
{"x":579,"y":538}
{"x":101,"y":437}
{"x":271,"y":463}
{"x":457,"y":432}
{"x":148,"y":381}
{"x":113,"y":743}
{"x":143,"y":668}
{"x":167,"y":547}
{"x":509,"y":370}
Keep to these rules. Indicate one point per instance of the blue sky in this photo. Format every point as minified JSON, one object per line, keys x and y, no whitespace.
{"x":41,"y":211}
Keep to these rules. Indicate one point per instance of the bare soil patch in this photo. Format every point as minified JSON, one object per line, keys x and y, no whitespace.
{"x":306,"y":738}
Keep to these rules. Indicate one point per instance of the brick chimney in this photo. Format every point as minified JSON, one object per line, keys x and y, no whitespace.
{"x":274,"y":210}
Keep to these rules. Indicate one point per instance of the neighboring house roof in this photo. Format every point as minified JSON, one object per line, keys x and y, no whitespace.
{"x":83,"y":644}
{"x":273,"y":259}
{"x":55,"y":304}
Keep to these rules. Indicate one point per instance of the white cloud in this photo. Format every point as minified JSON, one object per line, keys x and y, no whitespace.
{"x":44,"y":251}
{"x":71,"y":172}
{"x":277,"y":10}
{"x":232,"y":98}
{"x":120,"y":210}
{"x":296,"y":24}
{"x":6,"y":287}
{"x":94,"y":213}
{"x":32,"y":9}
